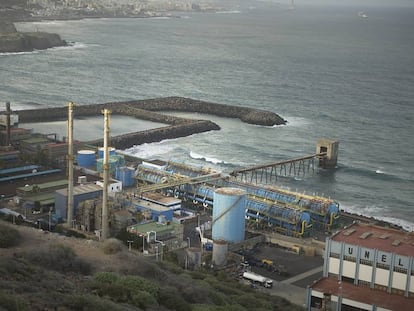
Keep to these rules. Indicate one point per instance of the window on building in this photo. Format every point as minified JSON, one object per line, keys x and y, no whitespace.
{"x":400,"y":270}
{"x":316,"y":302}
{"x":365,"y":262}
{"x":349,"y":258}
{"x":383,"y":266}
{"x":334,"y":255}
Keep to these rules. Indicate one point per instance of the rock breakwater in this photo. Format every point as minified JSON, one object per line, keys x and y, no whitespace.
{"x":147,"y":110}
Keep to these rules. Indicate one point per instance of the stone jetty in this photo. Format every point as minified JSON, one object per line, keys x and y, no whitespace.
{"x":148,"y":110}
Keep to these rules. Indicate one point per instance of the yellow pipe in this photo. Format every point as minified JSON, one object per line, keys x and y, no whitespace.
{"x":303,"y":228}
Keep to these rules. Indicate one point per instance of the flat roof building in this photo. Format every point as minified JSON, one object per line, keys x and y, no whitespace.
{"x":80,"y":193}
{"x":366,"y":267}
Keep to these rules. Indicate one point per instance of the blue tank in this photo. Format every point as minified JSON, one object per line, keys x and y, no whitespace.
{"x":86,"y":158}
{"x":229,"y":205}
{"x":125,"y":175}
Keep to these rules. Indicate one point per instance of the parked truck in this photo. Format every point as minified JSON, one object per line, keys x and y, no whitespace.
{"x":257,"y":278}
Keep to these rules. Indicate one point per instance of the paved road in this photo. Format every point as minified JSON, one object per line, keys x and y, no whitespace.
{"x":302,"y":275}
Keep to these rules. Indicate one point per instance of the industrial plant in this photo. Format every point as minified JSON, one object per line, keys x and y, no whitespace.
{"x":211,"y":219}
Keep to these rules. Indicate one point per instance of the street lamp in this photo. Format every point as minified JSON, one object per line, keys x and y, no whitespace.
{"x":50,"y":219}
{"x":129,"y":244}
{"x":143,"y":243}
{"x":339,"y":305}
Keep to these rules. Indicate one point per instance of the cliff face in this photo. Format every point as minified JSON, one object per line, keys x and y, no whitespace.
{"x":26,"y":42}
{"x":6,"y":28}
{"x":13,"y":41}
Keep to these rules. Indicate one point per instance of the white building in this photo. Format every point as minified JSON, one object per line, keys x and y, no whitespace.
{"x":366,"y":267}
{"x":114,"y":186}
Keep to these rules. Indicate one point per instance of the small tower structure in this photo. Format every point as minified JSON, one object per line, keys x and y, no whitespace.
{"x":328,"y":148}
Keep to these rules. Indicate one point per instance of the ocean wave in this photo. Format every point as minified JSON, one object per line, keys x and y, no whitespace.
{"x":150,"y":150}
{"x":229,"y":12}
{"x":296,"y":122}
{"x":375,"y":212}
{"x":19,"y":53}
{"x":378,"y":173}
{"x":197,"y":156}
{"x":70,"y":46}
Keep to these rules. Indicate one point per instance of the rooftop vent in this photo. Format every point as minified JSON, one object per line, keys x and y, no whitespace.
{"x":385,"y":236}
{"x":396,"y":243}
{"x":365,"y":235}
{"x":349,"y":232}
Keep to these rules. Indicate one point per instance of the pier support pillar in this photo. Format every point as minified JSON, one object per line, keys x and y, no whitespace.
{"x":330,"y":147}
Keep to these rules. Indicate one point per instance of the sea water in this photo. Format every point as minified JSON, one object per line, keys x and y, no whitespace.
{"x":326,"y":70}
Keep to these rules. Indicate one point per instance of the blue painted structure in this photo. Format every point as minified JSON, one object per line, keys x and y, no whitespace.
{"x":293,"y":212}
{"x":86,"y":158}
{"x":80,"y":193}
{"x":28,"y":175}
{"x":111,"y":151}
{"x":157,"y":211}
{"x":229,"y":214}
{"x":125,"y":175}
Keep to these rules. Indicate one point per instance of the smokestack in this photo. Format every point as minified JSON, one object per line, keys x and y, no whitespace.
{"x":105,"y":223}
{"x":70,"y":165}
{"x":8,"y":113}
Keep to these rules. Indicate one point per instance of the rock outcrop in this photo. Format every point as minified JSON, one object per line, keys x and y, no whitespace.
{"x":13,"y":41}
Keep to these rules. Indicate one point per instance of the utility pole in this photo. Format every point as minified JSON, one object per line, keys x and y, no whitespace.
{"x":105,"y":224}
{"x":70,"y":165}
{"x":8,"y":125}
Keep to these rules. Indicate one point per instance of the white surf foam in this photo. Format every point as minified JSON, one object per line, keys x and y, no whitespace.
{"x":151,"y":150}
{"x":197,"y":156}
{"x":376,"y":212}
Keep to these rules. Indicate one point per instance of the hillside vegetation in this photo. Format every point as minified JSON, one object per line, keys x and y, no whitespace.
{"x":48,"y":271}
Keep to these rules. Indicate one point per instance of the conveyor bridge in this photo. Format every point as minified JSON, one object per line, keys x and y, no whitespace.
{"x":269,"y":173}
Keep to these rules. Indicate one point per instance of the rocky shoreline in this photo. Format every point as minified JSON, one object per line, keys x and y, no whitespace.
{"x":12,"y":41}
{"x":148,"y":110}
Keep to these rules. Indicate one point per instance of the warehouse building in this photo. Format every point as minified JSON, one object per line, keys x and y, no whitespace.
{"x":366,"y":267}
{"x":80,"y":193}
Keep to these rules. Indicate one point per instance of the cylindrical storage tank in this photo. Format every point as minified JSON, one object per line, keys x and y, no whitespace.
{"x":111,"y":162}
{"x":101,"y":150}
{"x":193,"y":258}
{"x":220,"y":250}
{"x":125,"y":175}
{"x":229,"y":205}
{"x":86,"y":158}
{"x":120,"y":159}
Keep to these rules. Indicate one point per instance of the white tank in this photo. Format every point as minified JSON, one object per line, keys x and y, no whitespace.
{"x":220,"y":250}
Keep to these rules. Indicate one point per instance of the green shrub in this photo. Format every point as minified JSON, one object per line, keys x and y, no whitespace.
{"x":111,"y":246}
{"x":9,"y":236}
{"x":106,"y":277}
{"x":197,"y":275}
{"x":170,"y":298}
{"x":252,"y":302}
{"x":15,"y":268}
{"x":11,"y":302}
{"x":143,"y":299}
{"x":217,"y":298}
{"x":60,"y":258}
{"x":136,"y":283}
{"x":90,"y":303}
{"x":113,"y":291}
